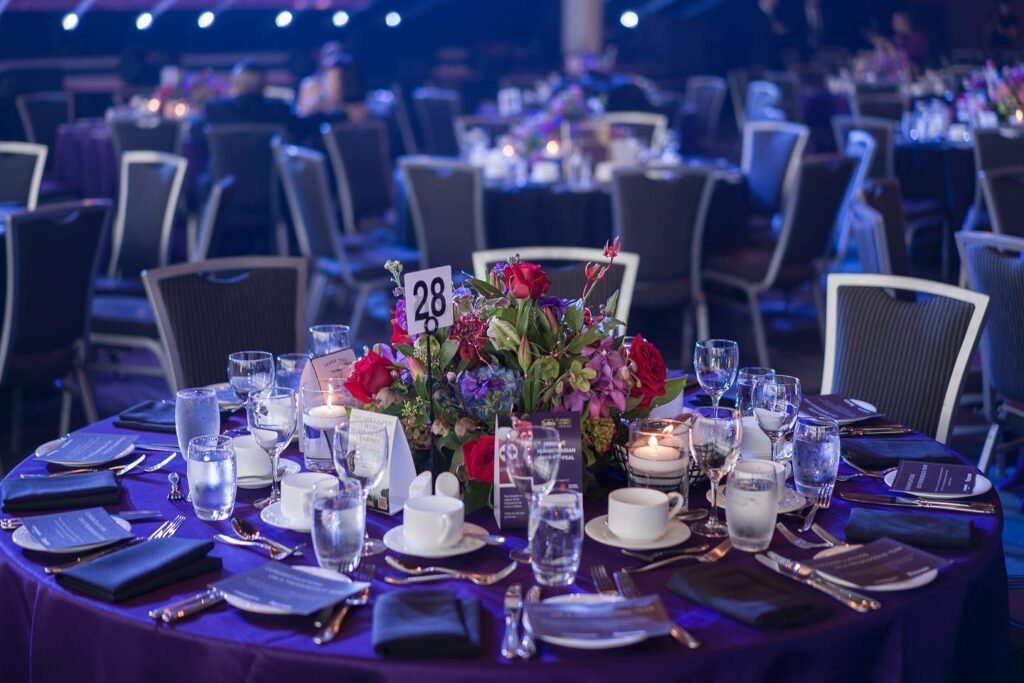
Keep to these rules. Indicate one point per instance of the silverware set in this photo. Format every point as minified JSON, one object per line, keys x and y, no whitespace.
{"x":922,"y":503}
{"x":829,"y":541}
{"x":118,"y":470}
{"x":881,"y":430}
{"x":713,"y":555}
{"x":808,"y":576}
{"x":165,"y":530}
{"x":427,"y":574}
{"x":628,"y":589}
{"x":12,"y":523}
{"x":514,"y":645}
{"x":662,"y":554}
{"x":822,"y":501}
{"x":363,"y":574}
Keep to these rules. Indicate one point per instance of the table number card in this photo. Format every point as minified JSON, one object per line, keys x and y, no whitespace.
{"x":933,"y":477}
{"x":75,"y":529}
{"x":390,"y":495}
{"x":428,"y":300}
{"x":89,"y":448}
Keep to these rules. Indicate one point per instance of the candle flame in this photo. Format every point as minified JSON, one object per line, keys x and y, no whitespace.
{"x":552,"y":147}
{"x":508,"y":150}
{"x":652,"y":442}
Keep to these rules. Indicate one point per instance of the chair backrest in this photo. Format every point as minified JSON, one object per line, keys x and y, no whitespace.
{"x":880,"y":105}
{"x":704,"y":96}
{"x":150,"y":186}
{"x":868,"y":229}
{"x":436,"y":110}
{"x":762,"y":102}
{"x":770,"y":158}
{"x":883,"y":196}
{"x":211,"y":240}
{"x":565,"y":266}
{"x":492,"y":126}
{"x":41,"y":113}
{"x":995,"y":267}
{"x":242,"y":150}
{"x":883,"y":164}
{"x":1004,"y":197}
{"x":908,"y":358}
{"x":447,"y":205}
{"x":50,"y":264}
{"x":861,"y":146}
{"x":789,"y":92}
{"x":147,"y":133}
{"x":997,"y":148}
{"x":387,"y":105}
{"x":661,"y":216}
{"x":647,"y":127}
{"x":207,"y":310}
{"x":738,"y":79}
{"x":361,"y":160}
{"x":21,"y":172}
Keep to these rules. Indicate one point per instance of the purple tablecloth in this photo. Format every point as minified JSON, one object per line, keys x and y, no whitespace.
{"x":952,"y":629}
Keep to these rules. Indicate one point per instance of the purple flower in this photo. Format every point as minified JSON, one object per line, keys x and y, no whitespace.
{"x":400,"y":316}
{"x":610,"y":386}
{"x":556,"y":303}
{"x":489,"y":390}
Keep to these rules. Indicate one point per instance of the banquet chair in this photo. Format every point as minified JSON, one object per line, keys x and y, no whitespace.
{"x":907,"y":358}
{"x":879,"y":228}
{"x":762,"y":102}
{"x":861,"y":146}
{"x":21,"y":173}
{"x":704,"y":96}
{"x":882,"y":130}
{"x":994,"y":148}
{"x":565,"y":266}
{"x":1003,"y":189}
{"x":446,"y":201}
{"x":363,"y":175}
{"x":436,"y":110}
{"x":738,"y":80}
{"x":647,"y":127}
{"x":494,"y":127}
{"x":359,"y":271}
{"x":798,"y":255}
{"x":213,"y":239}
{"x":146,"y":133}
{"x":48,"y":292}
{"x":789,"y":93}
{"x":880,"y":105}
{"x":207,"y":310}
{"x":769,"y":160}
{"x":994,"y":267}
{"x":41,"y":113}
{"x":388,"y":105}
{"x":661,"y":216}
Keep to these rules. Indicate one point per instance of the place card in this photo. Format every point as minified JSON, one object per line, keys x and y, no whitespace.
{"x":838,"y":407}
{"x":336,"y":365}
{"x":316,"y":375}
{"x":283,"y":587}
{"x":85,"y":449}
{"x":605,"y":620}
{"x":879,"y":562}
{"x":390,"y":494}
{"x":75,"y":529}
{"x":933,"y":477}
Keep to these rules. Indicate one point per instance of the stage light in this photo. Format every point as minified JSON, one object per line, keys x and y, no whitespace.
{"x":283,"y":19}
{"x":205,"y":19}
{"x":629,"y":19}
{"x":69,"y":22}
{"x":144,"y":21}
{"x":392,"y":19}
{"x":340,"y":18}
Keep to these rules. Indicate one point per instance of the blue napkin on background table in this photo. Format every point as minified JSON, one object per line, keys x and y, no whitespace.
{"x":433,"y":624}
{"x":89,"y":489}
{"x":878,"y":454}
{"x":913,"y":528}
{"x":148,"y":416}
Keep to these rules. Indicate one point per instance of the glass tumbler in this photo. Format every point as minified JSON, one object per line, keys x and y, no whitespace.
{"x":339,"y":523}
{"x":195,"y":414}
{"x":751,"y":504}
{"x":556,"y":544}
{"x":212,"y":476}
{"x":815,"y":454}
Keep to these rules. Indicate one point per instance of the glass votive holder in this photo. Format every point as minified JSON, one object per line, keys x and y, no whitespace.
{"x":323,"y":409}
{"x":658,"y":455}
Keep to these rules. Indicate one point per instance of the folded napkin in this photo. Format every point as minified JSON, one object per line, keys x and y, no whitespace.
{"x":878,"y":454}
{"x":89,"y":489}
{"x":141,"y":568}
{"x":913,"y":528}
{"x":148,"y":416}
{"x":748,"y":595}
{"x":432,"y":624}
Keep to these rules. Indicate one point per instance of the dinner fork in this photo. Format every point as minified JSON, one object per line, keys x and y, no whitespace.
{"x":602,"y":582}
{"x":628,"y":589}
{"x":713,"y":555}
{"x":363,"y":574}
{"x":175,"y":493}
{"x":478,"y":579}
{"x":662,"y":554}
{"x":823,"y":500}
{"x":165,"y":530}
{"x":797,"y":541}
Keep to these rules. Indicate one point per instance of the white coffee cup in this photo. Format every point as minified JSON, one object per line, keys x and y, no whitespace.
{"x":296,"y":494}
{"x":433,"y":522}
{"x":641,"y":514}
{"x":252,"y":461}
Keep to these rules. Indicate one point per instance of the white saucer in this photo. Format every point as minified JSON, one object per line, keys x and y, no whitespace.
{"x":675,"y":533}
{"x":394,"y":539}
{"x":49,"y":446}
{"x":274,"y":516}
{"x":791,"y":501}
{"x":289,"y":467}
{"x":588,"y":644}
{"x":238,"y":602}
{"x":981,"y":485}
{"x":916,"y":582}
{"x":23,"y":538}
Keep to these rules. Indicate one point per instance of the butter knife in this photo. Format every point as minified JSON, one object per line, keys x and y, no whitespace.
{"x":805,"y":572}
{"x":513,"y":611}
{"x":187,"y":607}
{"x":905,"y":502}
{"x":528,"y":644}
{"x":859,"y":604}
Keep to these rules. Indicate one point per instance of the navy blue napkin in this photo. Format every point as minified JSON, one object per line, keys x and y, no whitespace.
{"x":89,"y":489}
{"x":433,"y":624}
{"x":879,"y":454}
{"x":912,"y":528}
{"x":141,"y":568}
{"x":148,"y":416}
{"x":748,"y":595}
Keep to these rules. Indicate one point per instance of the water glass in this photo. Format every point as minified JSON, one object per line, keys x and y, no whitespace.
{"x":715,"y":362}
{"x":556,"y":538}
{"x":745,"y":387}
{"x":715,"y":437}
{"x":752,"y":504}
{"x":290,"y":367}
{"x":776,"y":403}
{"x":212,"y":476}
{"x":532,"y":456}
{"x":271,"y":415}
{"x":338,"y":512}
{"x":815,"y":454}
{"x":361,"y":454}
{"x":325,"y":339}
{"x":250,"y":371}
{"x":195,"y":414}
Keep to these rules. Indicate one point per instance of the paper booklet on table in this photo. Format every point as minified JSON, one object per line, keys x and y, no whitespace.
{"x":838,"y":407}
{"x":390,"y":495}
{"x":510,"y":508}
{"x":337,"y":364}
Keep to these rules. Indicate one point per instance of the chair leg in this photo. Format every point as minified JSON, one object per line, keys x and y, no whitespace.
{"x":66,"y":397}
{"x":703,"y":323}
{"x":687,"y":335}
{"x":990,"y":443}
{"x":86,"y":395}
{"x":17,"y":407}
{"x":817,"y":289}
{"x":760,"y":339}
{"x":315,"y":300}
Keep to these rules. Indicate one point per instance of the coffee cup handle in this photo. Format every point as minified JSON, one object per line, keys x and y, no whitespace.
{"x":446,"y":525}
{"x":678,"y":504}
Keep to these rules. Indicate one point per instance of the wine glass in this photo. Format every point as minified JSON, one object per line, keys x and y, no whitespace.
{"x":715,"y":437}
{"x":745,"y":387}
{"x":271,"y":414}
{"x":532,"y":455}
{"x":776,"y":404}
{"x":716,"y":361}
{"x":250,"y":371}
{"x":325,"y":339}
{"x":361,"y":454}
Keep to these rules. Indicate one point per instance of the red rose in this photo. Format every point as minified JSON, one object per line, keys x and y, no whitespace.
{"x":526,"y":280}
{"x":650,"y":370}
{"x":370,"y":374}
{"x":399,"y":335}
{"x":478,"y":456}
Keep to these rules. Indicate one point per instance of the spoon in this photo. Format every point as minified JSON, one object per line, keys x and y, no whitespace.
{"x":248,"y":532}
{"x":691,"y":515}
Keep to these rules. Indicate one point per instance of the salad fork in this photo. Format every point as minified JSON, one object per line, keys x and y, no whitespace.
{"x":363,"y":574}
{"x":797,"y":541}
{"x":713,"y":555}
{"x":478,"y":579}
{"x":165,"y":530}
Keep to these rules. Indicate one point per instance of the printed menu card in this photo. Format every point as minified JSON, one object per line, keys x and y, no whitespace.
{"x":879,"y":562}
{"x":278,"y":585}
{"x":75,"y":529}
{"x":89,"y":448}
{"x":838,"y":407}
{"x":933,"y":477}
{"x":599,"y":620}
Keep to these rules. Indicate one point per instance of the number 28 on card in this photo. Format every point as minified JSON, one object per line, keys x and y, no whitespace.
{"x":428,"y":300}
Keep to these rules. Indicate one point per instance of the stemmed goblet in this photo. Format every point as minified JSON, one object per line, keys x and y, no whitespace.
{"x":532,"y":455}
{"x":271,"y":414}
{"x":361,"y":454}
{"x":715,"y":437}
{"x":715,"y":362}
{"x":250,"y":371}
{"x":776,"y":404}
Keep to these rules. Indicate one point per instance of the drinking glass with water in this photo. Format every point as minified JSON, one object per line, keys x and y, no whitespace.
{"x":195,"y":414}
{"x":751,"y":504}
{"x":325,"y":339}
{"x":339,"y":523}
{"x":212,"y":476}
{"x":815,"y":453}
{"x":556,"y":541}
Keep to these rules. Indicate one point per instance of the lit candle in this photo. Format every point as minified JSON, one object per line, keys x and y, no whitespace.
{"x":325,"y":417}
{"x":656,"y":458}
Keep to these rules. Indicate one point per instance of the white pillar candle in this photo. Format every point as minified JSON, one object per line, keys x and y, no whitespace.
{"x":324,"y":418}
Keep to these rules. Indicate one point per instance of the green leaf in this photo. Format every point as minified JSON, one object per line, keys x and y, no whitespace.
{"x":574,"y":316}
{"x":448,"y":351}
{"x":525,"y":315}
{"x":405,"y":349}
{"x":483,"y":288}
{"x":584,"y":340}
{"x":673,"y":388}
{"x":477,"y":495}
{"x":612,"y":303}
{"x":546,"y":369}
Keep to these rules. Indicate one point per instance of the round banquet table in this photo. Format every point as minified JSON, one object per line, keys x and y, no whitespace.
{"x":953,"y":629}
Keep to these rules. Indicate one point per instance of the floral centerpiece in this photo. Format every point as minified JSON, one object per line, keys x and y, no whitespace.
{"x":882,"y":65}
{"x":533,"y":133}
{"x":993,"y":90}
{"x":512,"y":348}
{"x":194,"y":87}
